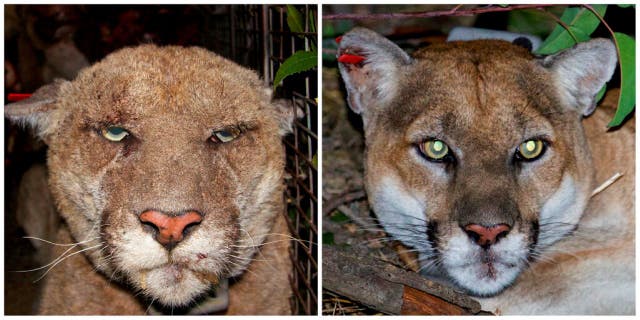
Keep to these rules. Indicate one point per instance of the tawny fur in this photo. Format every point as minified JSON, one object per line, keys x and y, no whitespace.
{"x":565,"y":253}
{"x":171,"y":100}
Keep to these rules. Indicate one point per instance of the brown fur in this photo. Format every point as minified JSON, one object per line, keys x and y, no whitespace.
{"x":170,"y":100}
{"x":483,"y":99}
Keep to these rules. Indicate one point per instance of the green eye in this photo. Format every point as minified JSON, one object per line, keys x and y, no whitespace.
{"x":530,"y":149}
{"x":114,"y":133}
{"x":434,"y":149}
{"x":225,"y":135}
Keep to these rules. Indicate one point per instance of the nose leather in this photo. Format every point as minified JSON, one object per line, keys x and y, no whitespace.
{"x":486,"y":236}
{"x":170,"y":228}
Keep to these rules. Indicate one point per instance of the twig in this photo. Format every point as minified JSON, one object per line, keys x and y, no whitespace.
{"x":606,"y":184}
{"x":358,"y":220}
{"x":332,"y":204}
{"x":564,"y":25}
{"x":431,"y":14}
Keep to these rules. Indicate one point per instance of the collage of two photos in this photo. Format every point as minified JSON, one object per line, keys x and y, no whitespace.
{"x":319,"y":159}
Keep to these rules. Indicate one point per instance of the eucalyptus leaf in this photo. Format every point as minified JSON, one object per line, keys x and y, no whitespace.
{"x":627,"y":100}
{"x":298,"y":62}
{"x":581,"y":22}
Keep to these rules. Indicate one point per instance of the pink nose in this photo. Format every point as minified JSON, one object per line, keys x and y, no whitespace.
{"x":170,"y":228}
{"x":486,"y":236}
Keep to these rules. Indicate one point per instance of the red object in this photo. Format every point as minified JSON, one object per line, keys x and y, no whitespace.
{"x":13,"y":97}
{"x":350,"y":58}
{"x":338,"y":39}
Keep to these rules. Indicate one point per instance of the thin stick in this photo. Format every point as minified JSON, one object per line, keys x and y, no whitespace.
{"x":431,"y":14}
{"x":606,"y":184}
{"x":332,"y":204}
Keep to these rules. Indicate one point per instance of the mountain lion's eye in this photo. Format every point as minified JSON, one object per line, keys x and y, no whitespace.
{"x":225,"y":135}
{"x":434,"y":149}
{"x":114,"y":133}
{"x":530,"y":149}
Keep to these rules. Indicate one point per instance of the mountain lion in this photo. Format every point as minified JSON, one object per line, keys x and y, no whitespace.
{"x":478,"y":158}
{"x":166,"y":164}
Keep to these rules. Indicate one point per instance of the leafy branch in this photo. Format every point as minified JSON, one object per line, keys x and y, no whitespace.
{"x":301,"y":60}
{"x":576,"y":25}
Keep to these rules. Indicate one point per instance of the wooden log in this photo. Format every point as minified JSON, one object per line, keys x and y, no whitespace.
{"x":416,"y":302}
{"x":389,"y":289}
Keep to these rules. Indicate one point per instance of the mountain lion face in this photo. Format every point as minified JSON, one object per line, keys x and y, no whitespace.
{"x":475,"y":154}
{"x":166,"y":164}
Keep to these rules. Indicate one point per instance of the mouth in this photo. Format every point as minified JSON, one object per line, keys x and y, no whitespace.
{"x":175,"y":284}
{"x":485,"y":272}
{"x":484,"y":279}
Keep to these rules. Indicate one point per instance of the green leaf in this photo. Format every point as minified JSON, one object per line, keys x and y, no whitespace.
{"x":601,"y":93}
{"x":626,"y":5}
{"x":312,"y":22}
{"x":327,"y":238}
{"x":314,"y":160}
{"x":530,"y":21}
{"x":294,"y":19}
{"x":298,"y":62}
{"x":339,"y":217}
{"x":581,"y":23}
{"x":627,"y":100}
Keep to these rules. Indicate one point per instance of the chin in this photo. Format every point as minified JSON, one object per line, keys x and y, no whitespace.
{"x":174,"y":285}
{"x":485,"y":272}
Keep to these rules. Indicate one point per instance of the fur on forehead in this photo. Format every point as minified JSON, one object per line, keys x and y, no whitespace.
{"x":172,"y":79}
{"x":503,"y":84}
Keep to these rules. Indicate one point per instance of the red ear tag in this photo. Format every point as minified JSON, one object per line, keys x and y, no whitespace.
{"x":338,"y":39}
{"x":13,"y":97}
{"x":350,"y":58}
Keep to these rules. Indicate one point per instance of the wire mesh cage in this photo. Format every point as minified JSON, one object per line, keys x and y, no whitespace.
{"x":255,"y":36}
{"x":302,"y":148}
{"x":260,"y":37}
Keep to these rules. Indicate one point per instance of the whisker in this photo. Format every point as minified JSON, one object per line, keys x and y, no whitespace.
{"x":65,"y":258}
{"x":59,"y":244}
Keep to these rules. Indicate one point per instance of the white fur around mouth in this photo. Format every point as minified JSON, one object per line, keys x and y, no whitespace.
{"x":485,"y":272}
{"x":174,"y":284}
{"x":484,"y":278}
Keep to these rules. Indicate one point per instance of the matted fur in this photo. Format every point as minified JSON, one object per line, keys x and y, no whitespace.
{"x":170,"y":100}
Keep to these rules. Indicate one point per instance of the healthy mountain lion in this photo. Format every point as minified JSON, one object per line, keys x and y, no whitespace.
{"x":166,"y":164}
{"x":478,"y":158}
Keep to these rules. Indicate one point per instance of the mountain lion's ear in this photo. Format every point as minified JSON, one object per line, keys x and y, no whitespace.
{"x":369,"y":64}
{"x":581,"y":71}
{"x":38,"y":110}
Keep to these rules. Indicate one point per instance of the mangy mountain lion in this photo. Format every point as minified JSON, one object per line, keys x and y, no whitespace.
{"x":482,"y":158}
{"x":166,"y":164}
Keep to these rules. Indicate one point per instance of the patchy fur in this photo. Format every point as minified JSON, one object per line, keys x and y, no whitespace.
{"x":483,"y":100}
{"x":170,"y":100}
